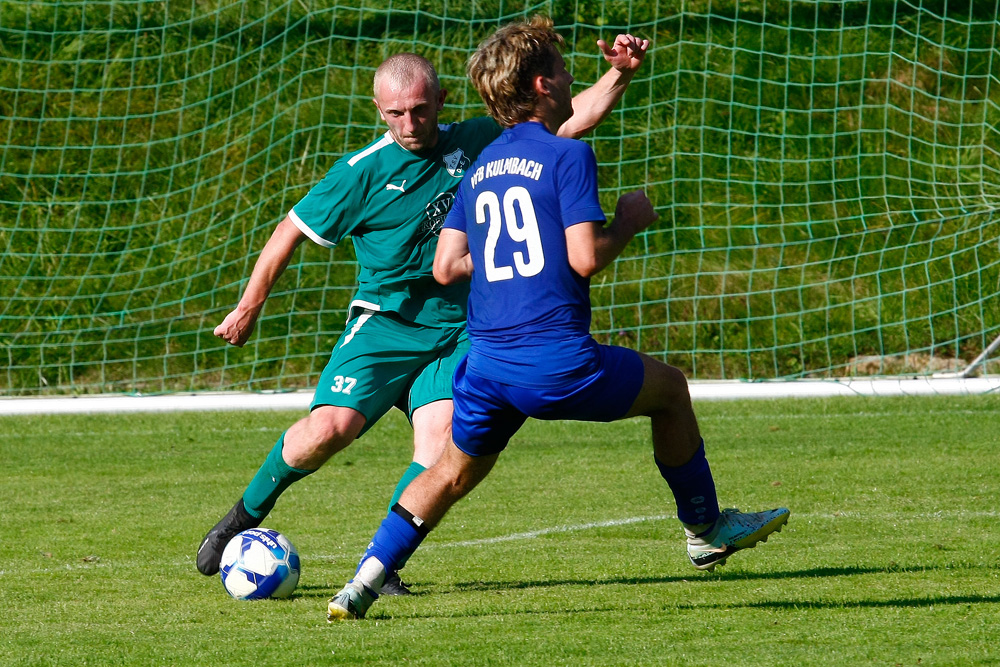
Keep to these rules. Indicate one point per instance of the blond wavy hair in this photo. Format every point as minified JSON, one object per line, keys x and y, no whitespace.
{"x":504,"y":66}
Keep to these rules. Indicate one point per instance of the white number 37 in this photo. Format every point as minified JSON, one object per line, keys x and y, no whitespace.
{"x":343,"y":385}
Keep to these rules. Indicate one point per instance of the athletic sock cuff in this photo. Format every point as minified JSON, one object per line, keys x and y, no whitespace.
{"x":259,"y":516}
{"x":416,"y":522}
{"x":271,"y":480}
{"x":276,"y":458}
{"x":695,"y":467}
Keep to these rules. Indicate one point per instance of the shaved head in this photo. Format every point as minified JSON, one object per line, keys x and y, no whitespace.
{"x":408,"y":96}
{"x":403,"y":70}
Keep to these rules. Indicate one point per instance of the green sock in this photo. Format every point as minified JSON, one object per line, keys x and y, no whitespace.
{"x":271,"y":481}
{"x":404,"y":481}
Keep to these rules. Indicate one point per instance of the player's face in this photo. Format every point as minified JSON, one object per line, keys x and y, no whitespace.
{"x":559,"y":90}
{"x":411,"y":112}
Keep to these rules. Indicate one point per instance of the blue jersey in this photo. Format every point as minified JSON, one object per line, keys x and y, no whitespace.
{"x":529,"y":312}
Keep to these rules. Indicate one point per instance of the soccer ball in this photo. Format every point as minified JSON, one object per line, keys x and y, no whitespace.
{"x":259,"y":563}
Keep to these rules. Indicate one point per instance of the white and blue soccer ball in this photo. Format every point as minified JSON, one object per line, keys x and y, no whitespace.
{"x":259,"y":563}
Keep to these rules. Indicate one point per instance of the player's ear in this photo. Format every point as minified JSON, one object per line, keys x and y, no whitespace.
{"x":540,"y":85}
{"x":441,"y":96}
{"x":375,"y":102}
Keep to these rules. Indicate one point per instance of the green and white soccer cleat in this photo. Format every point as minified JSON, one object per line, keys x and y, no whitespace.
{"x":734,"y":531}
{"x":352,"y":602}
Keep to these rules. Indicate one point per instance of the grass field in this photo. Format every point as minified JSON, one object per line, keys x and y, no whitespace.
{"x":567,"y":555}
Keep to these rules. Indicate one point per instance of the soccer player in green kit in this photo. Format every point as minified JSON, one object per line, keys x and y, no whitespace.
{"x":405,"y":333}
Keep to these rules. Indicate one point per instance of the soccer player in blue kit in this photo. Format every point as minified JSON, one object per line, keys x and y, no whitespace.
{"x":406,"y":332}
{"x":528,"y":229}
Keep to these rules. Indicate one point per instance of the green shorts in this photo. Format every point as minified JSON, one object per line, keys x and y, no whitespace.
{"x":382,"y":360}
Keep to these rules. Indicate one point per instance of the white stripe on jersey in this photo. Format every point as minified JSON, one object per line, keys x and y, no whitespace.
{"x":381,"y":143}
{"x":367,"y":305}
{"x":304,"y":228}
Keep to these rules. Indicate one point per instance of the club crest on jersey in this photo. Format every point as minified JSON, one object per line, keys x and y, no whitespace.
{"x":456,"y":163}
{"x":436,"y":212}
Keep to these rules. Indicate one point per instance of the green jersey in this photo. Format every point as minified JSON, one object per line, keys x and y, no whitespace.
{"x":392,"y":202}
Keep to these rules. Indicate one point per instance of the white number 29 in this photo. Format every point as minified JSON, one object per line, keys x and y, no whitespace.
{"x":488,"y":210}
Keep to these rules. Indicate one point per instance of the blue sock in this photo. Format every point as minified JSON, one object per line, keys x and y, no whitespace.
{"x":411,"y":474}
{"x":396,"y":539}
{"x":693,"y":489}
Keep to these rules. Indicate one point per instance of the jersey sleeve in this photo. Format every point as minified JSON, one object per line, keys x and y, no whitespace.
{"x":333,"y":208}
{"x":456,"y":216}
{"x":577,"y":185}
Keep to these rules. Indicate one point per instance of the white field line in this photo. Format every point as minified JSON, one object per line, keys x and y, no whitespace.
{"x":944,"y":515}
{"x":949,"y":515}
{"x":530,"y":535}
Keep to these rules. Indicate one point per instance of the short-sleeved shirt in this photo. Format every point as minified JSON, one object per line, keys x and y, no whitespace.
{"x":392,"y":202}
{"x":529,"y":312}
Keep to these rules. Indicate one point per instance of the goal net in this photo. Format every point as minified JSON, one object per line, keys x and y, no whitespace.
{"x":827,"y":176}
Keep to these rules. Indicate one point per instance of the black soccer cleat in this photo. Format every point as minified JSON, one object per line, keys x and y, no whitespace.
{"x":234,"y":523}
{"x":394,"y":586}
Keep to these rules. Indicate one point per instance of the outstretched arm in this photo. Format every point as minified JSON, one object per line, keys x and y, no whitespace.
{"x":591,"y":247}
{"x":273,"y":260}
{"x":594,"y":104}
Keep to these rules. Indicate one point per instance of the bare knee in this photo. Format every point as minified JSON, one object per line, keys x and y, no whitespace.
{"x":431,"y":432}
{"x":311,"y":441}
{"x":664,"y":389}
{"x":457,"y":473}
{"x":459,"y":485}
{"x":676,"y":385}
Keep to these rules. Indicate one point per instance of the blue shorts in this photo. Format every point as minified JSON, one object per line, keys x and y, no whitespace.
{"x":489,"y":413}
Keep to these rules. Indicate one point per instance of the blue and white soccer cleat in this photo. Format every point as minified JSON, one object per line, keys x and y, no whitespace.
{"x":734,"y":530}
{"x":352,"y":602}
